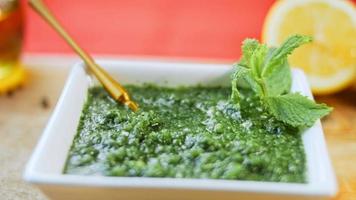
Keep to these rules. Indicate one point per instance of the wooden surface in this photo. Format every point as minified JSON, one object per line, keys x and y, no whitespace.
{"x":340,"y":132}
{"x":23,"y":115}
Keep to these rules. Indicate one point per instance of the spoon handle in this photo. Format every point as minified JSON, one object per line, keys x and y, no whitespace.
{"x":115,"y":90}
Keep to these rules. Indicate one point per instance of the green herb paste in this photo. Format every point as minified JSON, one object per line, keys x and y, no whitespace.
{"x":185,"y":132}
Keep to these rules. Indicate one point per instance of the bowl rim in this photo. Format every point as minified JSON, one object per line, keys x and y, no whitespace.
{"x":327,"y":186}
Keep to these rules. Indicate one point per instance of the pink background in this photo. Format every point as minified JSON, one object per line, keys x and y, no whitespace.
{"x":173,"y":28}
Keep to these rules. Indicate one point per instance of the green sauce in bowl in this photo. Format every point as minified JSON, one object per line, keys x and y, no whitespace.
{"x":185,"y":132}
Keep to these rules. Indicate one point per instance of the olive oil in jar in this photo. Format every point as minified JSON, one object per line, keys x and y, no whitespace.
{"x":11,"y":36}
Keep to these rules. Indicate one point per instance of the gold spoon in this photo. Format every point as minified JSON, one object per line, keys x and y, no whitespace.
{"x":115,"y":90}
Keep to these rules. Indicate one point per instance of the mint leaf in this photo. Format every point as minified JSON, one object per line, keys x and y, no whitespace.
{"x":279,"y":80}
{"x":278,"y":55}
{"x":276,"y":72}
{"x":237,"y":76}
{"x":296,"y":110}
{"x":244,"y":78}
{"x":254,"y":55}
{"x":248,"y":47}
{"x":257,"y":60}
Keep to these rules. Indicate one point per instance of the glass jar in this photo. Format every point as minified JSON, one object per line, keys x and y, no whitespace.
{"x":11,"y":37}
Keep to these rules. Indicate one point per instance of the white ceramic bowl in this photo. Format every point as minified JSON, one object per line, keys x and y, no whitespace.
{"x":46,"y":164}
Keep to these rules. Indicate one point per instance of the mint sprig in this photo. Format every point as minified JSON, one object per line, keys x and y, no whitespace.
{"x":266,"y":72}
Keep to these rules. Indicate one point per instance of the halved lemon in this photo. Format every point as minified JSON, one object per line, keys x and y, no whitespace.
{"x":330,"y":60}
